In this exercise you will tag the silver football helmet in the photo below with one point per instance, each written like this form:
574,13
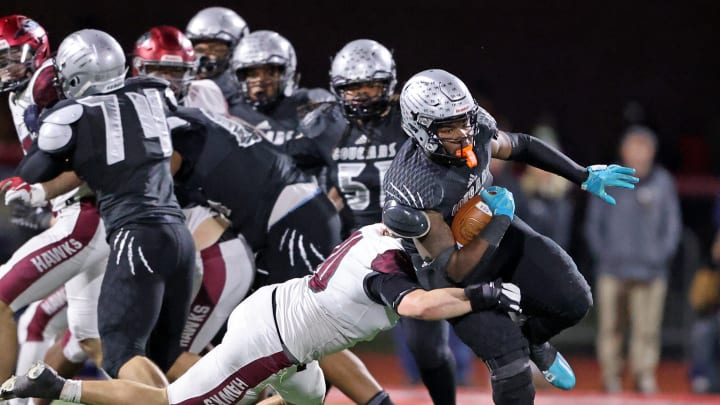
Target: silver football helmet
262,48
90,62
216,24
430,99
362,61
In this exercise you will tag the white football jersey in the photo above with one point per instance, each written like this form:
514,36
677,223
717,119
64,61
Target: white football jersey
330,310
19,102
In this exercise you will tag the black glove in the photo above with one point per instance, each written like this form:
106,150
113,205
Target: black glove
496,295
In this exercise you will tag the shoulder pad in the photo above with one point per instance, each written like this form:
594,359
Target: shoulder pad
412,180
486,120
404,221
325,116
64,114
53,136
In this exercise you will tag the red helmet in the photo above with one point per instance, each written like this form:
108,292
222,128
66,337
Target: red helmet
165,46
23,48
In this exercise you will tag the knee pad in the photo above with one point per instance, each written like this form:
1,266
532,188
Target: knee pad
517,389
511,378
381,398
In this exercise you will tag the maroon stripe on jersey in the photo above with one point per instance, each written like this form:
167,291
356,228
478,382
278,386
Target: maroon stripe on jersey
326,269
41,262
44,312
234,388
393,261
214,276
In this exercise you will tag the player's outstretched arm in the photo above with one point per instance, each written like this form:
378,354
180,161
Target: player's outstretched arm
535,152
121,392
445,303
41,381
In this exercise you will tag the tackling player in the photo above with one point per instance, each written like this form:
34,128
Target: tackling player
277,334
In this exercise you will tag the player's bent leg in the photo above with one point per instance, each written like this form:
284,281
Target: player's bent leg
228,269
428,343
511,378
42,323
65,366
496,339
83,293
300,385
250,353
544,263
8,341
42,265
348,373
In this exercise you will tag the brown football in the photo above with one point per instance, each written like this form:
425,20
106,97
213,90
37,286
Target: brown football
470,219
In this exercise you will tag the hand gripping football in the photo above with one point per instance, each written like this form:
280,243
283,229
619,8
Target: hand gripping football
470,219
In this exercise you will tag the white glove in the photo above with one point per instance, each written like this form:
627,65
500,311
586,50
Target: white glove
16,188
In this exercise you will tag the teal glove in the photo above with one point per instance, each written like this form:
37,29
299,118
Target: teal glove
601,176
499,200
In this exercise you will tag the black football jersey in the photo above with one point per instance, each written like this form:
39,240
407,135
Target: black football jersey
119,143
415,180
230,166
280,122
363,154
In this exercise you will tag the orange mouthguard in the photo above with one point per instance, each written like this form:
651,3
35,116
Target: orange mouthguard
469,155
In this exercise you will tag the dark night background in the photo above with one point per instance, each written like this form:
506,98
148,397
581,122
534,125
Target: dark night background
580,62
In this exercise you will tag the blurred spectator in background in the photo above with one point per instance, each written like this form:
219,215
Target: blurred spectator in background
704,297
632,244
546,206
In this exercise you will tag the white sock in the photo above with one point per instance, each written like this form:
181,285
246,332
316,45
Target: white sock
71,391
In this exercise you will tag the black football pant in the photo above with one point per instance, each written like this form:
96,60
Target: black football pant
298,242
145,295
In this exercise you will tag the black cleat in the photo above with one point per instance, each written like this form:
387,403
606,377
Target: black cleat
41,381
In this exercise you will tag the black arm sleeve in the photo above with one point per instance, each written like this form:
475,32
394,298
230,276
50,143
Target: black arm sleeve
535,152
389,288
40,166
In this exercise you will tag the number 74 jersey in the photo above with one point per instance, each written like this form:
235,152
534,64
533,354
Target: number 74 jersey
119,143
